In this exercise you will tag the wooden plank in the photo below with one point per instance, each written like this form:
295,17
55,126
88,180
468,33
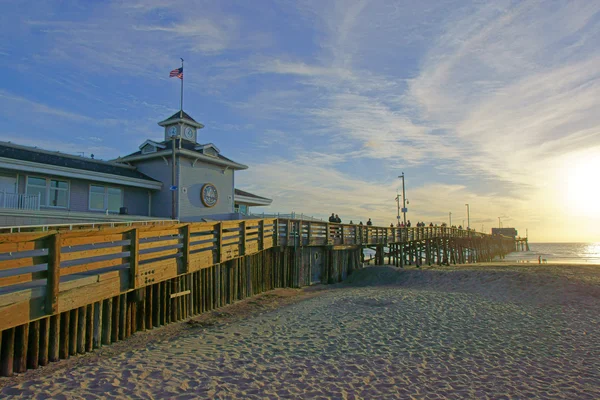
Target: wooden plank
219,241
24,237
22,278
105,251
201,260
157,271
203,227
230,224
225,242
33,347
22,262
185,292
201,246
21,342
158,243
157,254
172,231
95,238
89,267
243,238
134,257
22,246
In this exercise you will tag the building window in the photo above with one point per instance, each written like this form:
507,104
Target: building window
52,192
147,149
241,209
104,198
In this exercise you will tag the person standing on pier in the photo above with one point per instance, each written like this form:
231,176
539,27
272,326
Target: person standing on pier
369,222
338,219
332,218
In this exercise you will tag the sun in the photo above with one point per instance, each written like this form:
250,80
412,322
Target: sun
583,185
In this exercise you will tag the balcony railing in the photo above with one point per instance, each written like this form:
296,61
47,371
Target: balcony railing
17,201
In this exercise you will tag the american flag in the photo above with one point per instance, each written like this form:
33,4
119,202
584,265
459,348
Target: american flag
178,72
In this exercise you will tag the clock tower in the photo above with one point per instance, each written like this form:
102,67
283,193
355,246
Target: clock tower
181,125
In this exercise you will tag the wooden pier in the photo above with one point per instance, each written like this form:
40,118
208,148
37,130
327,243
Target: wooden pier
68,292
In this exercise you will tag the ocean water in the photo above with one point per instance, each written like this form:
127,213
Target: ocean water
566,253
571,253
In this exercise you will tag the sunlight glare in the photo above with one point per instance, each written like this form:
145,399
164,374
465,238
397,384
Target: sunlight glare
582,187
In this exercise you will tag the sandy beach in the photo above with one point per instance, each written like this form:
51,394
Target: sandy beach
482,331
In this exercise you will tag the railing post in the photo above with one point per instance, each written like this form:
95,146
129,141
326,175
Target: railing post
328,237
261,224
308,233
134,257
276,239
185,250
219,242
243,238
53,281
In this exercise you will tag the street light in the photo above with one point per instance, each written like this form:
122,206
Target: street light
398,203
468,217
499,223
403,198
450,216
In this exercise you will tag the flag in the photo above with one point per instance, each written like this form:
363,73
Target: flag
178,72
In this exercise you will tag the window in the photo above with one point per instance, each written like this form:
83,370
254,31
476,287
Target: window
148,149
52,192
104,198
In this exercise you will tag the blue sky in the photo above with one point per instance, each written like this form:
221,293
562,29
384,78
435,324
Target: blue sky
494,104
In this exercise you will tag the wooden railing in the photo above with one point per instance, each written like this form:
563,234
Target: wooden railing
314,233
45,273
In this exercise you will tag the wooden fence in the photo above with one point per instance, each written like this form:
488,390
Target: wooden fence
101,285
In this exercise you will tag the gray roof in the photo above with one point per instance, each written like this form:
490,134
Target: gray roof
248,194
32,154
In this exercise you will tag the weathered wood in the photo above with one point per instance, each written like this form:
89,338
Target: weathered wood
52,287
134,254
116,312
7,352
107,318
44,353
65,323
21,342
73,330
54,351
97,330
89,327
33,347
122,321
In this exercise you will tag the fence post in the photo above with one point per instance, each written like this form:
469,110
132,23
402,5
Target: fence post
185,231
134,257
243,238
308,233
328,233
276,239
53,281
219,242
261,224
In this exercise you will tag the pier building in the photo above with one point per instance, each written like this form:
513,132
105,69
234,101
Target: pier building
176,178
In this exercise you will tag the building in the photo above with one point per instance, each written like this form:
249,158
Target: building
40,187
510,232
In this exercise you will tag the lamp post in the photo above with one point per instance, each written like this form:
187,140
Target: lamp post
468,217
450,216
403,198
398,204
499,223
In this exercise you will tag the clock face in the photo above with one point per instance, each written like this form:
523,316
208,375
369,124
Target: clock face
173,131
209,195
189,133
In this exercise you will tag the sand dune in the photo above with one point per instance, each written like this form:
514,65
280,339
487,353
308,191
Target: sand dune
460,332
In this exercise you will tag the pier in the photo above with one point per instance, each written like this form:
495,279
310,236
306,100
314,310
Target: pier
65,292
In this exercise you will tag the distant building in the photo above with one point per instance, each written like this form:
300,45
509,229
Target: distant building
40,187
511,232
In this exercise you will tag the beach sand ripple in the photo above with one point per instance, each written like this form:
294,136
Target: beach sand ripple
457,333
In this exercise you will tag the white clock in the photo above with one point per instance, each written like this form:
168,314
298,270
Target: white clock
189,133
173,131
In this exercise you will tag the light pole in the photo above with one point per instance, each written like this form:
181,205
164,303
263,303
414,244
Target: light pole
499,223
450,216
398,203
403,199
468,217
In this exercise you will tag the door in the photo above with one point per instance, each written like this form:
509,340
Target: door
316,265
8,188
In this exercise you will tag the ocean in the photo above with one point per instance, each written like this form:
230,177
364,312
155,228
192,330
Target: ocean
566,253
571,253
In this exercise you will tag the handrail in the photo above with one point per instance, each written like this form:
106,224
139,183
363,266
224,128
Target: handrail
144,254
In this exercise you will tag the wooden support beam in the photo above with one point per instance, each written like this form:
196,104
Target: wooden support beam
52,286
7,352
33,347
185,232
45,326
97,335
134,257
54,351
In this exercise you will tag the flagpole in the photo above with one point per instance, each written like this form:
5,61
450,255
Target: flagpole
181,101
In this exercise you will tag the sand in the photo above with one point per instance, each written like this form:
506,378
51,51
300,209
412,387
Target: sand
453,332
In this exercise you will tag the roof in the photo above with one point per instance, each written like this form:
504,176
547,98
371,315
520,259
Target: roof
35,155
176,116
181,116
239,192
185,145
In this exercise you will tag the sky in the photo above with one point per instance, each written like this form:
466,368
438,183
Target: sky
491,104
